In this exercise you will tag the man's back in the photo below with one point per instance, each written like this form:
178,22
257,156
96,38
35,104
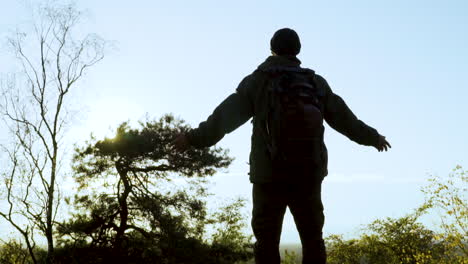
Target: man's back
250,101
273,190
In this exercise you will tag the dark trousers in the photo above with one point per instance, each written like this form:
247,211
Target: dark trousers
269,205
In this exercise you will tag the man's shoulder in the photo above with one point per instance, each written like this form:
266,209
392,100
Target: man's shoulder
319,78
250,78
255,77
321,81
249,84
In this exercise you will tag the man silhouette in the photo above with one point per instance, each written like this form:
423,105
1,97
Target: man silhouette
294,185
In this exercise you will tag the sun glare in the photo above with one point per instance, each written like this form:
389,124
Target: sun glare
104,117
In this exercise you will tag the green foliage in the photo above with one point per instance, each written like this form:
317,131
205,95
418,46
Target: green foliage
290,257
401,240
229,241
141,202
448,197
14,252
405,240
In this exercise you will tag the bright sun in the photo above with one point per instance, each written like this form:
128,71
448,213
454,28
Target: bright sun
104,116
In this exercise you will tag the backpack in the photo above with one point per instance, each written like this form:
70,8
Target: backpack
294,118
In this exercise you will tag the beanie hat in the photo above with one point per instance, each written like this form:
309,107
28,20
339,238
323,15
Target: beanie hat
285,42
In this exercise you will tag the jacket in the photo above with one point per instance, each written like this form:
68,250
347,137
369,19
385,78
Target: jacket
249,101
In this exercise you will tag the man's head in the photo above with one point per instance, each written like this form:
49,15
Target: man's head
285,42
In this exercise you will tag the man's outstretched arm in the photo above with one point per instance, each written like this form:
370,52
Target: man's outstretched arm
341,118
234,111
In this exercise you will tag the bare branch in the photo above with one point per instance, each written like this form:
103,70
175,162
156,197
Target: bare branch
36,117
38,132
9,217
17,45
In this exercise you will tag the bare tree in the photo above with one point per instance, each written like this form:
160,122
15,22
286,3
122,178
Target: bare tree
34,108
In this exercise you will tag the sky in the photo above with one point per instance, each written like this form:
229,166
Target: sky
401,66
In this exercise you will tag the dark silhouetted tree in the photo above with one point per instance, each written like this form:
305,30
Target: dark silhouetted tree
141,201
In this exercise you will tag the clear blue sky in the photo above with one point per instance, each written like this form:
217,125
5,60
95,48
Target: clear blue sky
401,66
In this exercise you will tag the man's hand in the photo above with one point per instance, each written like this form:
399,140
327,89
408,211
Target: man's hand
181,142
383,144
